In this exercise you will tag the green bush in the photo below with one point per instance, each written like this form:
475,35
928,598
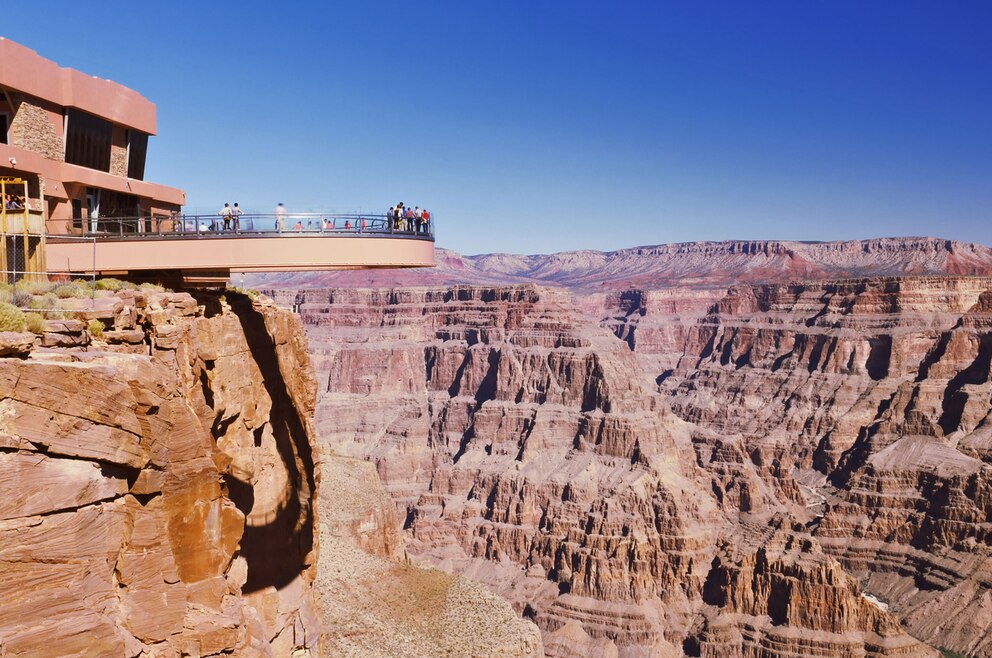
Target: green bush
34,322
96,328
45,302
152,286
11,318
67,290
250,293
34,286
84,284
110,284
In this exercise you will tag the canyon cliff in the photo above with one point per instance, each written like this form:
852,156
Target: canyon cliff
771,470
161,494
150,473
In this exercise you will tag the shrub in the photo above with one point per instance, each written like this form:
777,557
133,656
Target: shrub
96,328
84,284
34,286
11,318
22,299
110,284
34,323
46,302
152,286
250,293
67,290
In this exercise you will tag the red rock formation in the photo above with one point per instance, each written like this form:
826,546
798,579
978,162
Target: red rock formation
863,402
690,264
159,492
533,450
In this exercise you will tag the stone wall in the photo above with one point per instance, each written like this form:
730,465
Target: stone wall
118,152
32,130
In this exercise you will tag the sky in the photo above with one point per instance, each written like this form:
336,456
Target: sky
535,127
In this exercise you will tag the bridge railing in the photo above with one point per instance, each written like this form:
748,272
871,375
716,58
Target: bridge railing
245,225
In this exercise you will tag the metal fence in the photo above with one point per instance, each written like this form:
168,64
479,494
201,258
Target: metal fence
33,290
247,225
42,292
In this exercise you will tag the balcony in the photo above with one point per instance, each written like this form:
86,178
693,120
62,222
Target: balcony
23,221
199,249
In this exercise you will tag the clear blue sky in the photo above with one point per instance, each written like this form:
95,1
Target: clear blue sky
545,126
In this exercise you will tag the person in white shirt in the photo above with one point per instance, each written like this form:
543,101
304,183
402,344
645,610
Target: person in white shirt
280,217
225,214
236,217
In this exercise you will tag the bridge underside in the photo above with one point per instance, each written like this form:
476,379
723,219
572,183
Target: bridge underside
210,259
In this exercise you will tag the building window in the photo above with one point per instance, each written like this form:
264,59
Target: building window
77,213
87,140
137,148
4,127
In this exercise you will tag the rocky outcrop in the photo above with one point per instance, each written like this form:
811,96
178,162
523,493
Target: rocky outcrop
531,449
159,492
860,408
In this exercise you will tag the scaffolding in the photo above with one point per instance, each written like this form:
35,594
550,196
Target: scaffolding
22,230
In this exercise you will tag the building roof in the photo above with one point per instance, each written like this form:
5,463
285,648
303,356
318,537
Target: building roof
24,70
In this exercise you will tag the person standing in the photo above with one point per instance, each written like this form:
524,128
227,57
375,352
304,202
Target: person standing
225,214
418,217
236,217
280,218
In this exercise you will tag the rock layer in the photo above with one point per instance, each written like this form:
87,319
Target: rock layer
859,407
159,492
689,264
532,449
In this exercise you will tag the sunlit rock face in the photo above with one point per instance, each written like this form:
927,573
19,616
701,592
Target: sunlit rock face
696,265
158,485
860,408
621,485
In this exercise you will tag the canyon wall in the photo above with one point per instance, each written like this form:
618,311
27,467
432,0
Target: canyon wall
858,407
689,264
158,483
160,488
656,473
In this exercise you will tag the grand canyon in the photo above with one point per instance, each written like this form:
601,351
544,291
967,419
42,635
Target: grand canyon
759,449
710,449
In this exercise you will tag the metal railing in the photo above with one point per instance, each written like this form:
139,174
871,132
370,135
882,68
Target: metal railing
245,225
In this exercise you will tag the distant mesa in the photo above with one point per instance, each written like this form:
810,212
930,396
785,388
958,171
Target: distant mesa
687,264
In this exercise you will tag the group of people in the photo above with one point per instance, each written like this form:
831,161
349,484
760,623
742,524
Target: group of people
406,219
12,202
231,216
399,218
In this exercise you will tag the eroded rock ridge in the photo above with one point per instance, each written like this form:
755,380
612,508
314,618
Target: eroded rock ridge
158,483
773,470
